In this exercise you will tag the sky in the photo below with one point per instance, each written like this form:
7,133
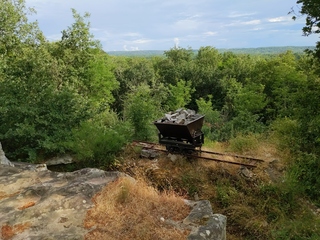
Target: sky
128,25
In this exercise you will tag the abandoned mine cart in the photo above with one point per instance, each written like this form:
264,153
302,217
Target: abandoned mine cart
181,130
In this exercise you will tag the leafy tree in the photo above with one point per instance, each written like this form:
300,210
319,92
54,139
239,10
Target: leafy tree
178,54
281,78
140,109
241,113
82,63
206,77
177,65
238,66
15,28
46,89
179,95
131,72
212,121
311,8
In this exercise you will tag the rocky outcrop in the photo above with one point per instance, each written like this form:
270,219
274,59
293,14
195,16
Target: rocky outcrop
64,159
3,159
205,225
36,203
202,223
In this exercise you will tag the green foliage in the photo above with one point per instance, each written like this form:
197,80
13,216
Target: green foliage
282,81
250,98
226,194
141,110
286,215
304,226
134,72
307,113
310,8
47,89
280,201
15,28
179,95
212,121
304,172
285,133
190,183
177,65
206,76
243,143
178,54
100,80
97,141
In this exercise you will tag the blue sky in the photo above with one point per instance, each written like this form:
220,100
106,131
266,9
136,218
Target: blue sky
163,24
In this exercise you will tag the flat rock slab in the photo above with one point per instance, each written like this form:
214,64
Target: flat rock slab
36,203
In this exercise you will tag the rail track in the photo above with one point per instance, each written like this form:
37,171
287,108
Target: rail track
251,162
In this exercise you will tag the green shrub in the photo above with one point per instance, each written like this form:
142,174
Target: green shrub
97,144
140,109
304,174
303,226
226,193
243,143
285,133
212,121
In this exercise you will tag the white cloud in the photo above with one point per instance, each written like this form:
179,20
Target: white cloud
132,34
130,48
252,22
241,23
184,23
280,19
210,33
237,14
141,41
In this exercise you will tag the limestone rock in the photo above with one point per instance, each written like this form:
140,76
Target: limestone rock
3,159
245,172
207,226
36,203
65,159
172,157
180,116
149,153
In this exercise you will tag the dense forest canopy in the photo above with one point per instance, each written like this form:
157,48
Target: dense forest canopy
70,96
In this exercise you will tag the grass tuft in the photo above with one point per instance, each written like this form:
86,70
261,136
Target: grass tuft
129,209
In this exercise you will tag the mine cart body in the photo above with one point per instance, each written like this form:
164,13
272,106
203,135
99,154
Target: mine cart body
180,136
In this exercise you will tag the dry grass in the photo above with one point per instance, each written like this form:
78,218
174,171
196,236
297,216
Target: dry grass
129,209
244,202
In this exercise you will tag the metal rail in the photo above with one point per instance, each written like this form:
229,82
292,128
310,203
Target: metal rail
151,145
233,155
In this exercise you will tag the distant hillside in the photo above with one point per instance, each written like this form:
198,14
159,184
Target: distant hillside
261,50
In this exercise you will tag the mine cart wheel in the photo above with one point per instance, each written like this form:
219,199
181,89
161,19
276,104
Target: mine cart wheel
173,149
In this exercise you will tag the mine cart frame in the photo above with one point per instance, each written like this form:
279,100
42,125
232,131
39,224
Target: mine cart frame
180,137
